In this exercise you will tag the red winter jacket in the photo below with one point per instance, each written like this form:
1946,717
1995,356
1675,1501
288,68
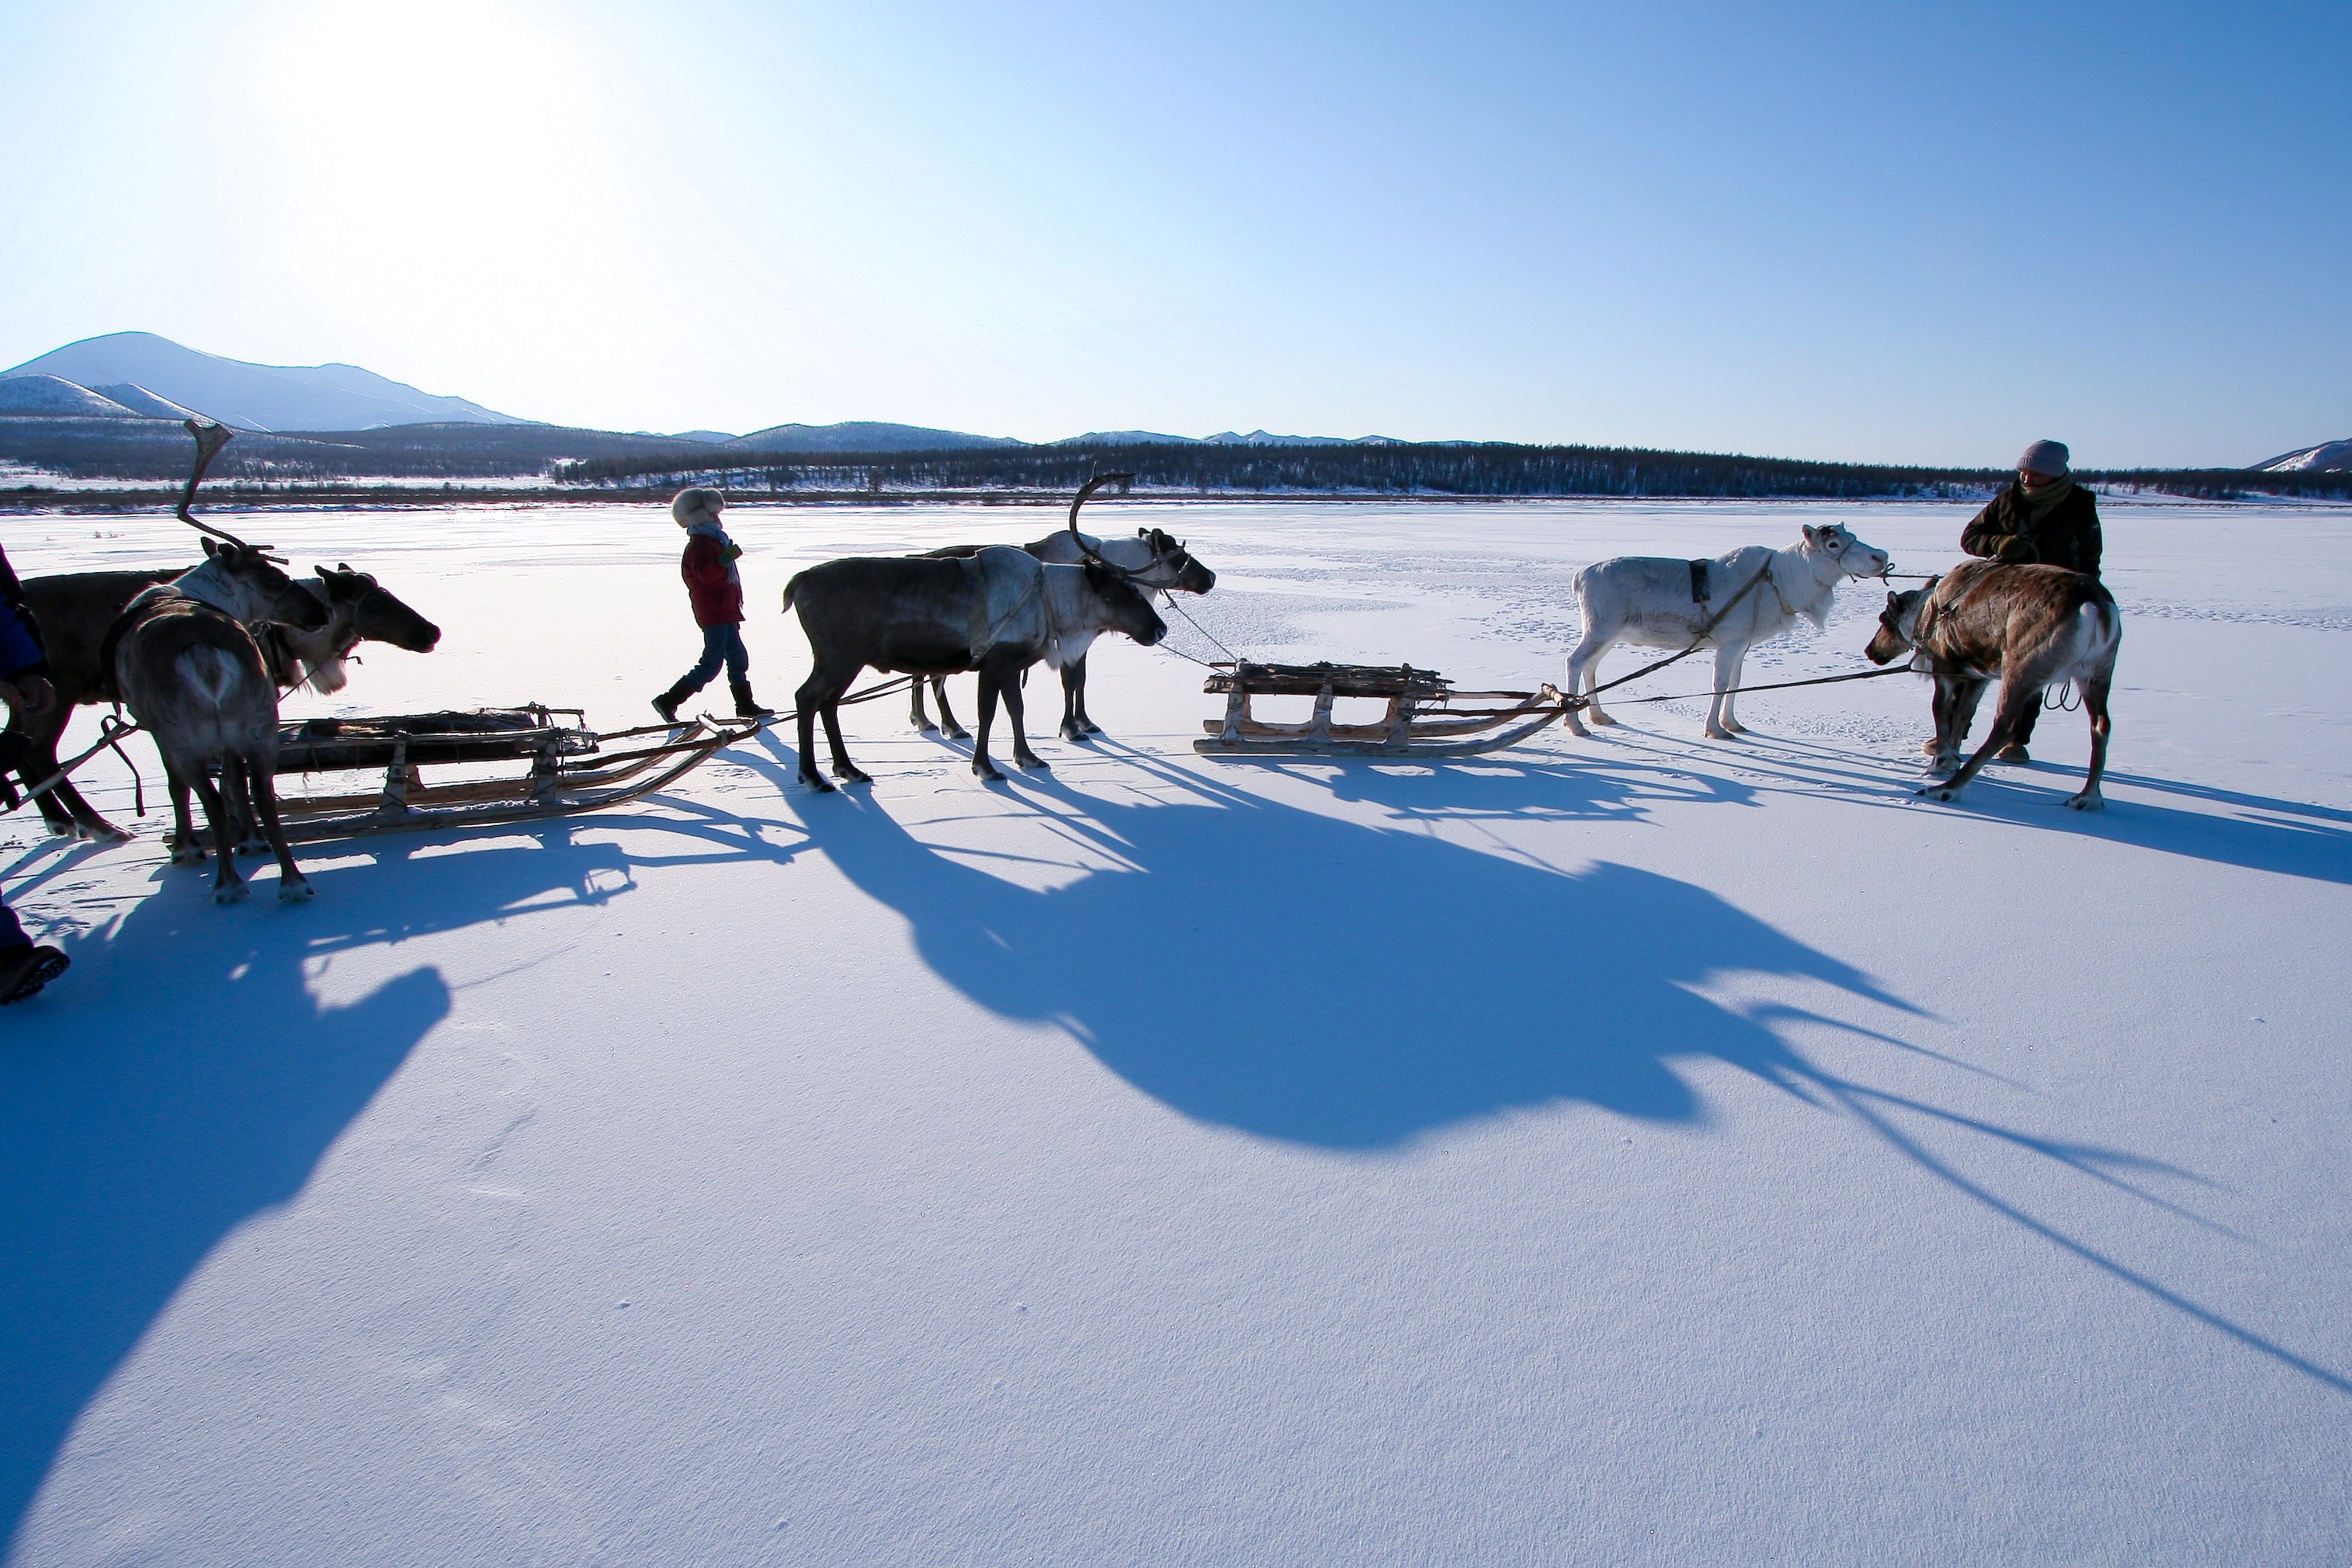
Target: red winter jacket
718,597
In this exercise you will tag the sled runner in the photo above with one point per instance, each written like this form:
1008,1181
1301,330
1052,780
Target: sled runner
567,768
1425,716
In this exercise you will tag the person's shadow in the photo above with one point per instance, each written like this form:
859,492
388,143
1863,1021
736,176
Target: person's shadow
183,1078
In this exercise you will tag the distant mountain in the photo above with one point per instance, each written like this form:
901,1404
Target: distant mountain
1221,438
709,437
52,395
142,402
1128,438
2327,458
863,435
252,396
1261,438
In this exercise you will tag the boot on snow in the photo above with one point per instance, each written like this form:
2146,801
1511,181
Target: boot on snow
746,705
667,703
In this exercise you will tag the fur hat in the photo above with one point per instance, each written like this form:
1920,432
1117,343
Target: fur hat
699,505
2042,457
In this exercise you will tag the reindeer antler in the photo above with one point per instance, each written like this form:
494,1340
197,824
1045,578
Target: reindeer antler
1088,488
211,436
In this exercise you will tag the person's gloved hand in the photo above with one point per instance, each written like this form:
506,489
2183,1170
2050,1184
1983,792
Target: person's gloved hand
734,551
2017,551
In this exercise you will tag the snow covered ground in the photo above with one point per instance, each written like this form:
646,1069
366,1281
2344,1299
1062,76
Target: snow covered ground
1641,1150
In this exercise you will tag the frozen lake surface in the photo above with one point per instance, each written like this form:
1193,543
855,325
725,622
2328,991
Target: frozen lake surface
1634,1151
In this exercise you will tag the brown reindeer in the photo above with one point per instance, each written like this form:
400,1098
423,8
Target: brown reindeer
2028,626
77,609
193,677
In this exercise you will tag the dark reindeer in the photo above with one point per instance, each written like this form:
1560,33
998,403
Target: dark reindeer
1153,560
76,609
193,677
997,611
2028,626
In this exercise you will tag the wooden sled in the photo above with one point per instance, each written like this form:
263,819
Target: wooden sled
1425,717
567,768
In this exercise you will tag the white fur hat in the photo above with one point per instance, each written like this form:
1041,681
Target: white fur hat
698,505
2042,457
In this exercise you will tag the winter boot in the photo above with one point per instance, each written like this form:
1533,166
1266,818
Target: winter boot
746,705
667,703
25,970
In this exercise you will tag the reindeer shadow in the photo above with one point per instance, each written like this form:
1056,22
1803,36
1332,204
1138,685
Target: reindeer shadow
1347,987
183,1079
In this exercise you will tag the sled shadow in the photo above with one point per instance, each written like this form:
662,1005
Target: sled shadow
182,1079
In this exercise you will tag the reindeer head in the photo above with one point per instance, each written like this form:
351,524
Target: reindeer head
243,580
1173,565
1898,625
1834,543
1130,607
373,615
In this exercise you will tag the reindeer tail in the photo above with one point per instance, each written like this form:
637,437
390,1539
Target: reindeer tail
790,588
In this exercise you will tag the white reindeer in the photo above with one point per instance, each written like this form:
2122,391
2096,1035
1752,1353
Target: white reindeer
1656,602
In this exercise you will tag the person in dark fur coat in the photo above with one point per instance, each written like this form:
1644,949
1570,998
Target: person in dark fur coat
24,966
2044,516
716,591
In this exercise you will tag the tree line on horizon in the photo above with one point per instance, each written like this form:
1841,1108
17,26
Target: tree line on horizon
156,451
1495,470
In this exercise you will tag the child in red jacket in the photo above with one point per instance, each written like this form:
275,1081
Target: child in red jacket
716,590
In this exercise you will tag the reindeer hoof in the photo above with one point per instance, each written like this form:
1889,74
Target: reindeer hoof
253,846
190,855
2086,801
1077,735
1031,761
1598,717
296,892
229,893
848,774
925,727
955,732
1937,791
986,772
2012,753
816,783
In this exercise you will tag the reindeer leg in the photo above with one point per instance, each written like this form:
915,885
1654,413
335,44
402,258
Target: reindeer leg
2095,703
1584,670
186,850
981,768
228,886
293,887
821,691
1076,725
1023,756
948,725
915,714
1726,672
238,796
2012,703
1731,690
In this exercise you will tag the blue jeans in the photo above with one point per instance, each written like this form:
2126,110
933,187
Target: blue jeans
719,643
12,933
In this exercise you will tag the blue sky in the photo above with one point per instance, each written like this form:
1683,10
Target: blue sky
1854,232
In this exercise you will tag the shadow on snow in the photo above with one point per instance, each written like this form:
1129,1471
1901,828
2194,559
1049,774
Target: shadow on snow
137,1132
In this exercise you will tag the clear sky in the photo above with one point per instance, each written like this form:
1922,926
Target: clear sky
1892,232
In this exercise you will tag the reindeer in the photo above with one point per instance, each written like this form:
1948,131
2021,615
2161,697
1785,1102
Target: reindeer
1654,601
76,610
997,611
1153,561
2030,627
193,678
